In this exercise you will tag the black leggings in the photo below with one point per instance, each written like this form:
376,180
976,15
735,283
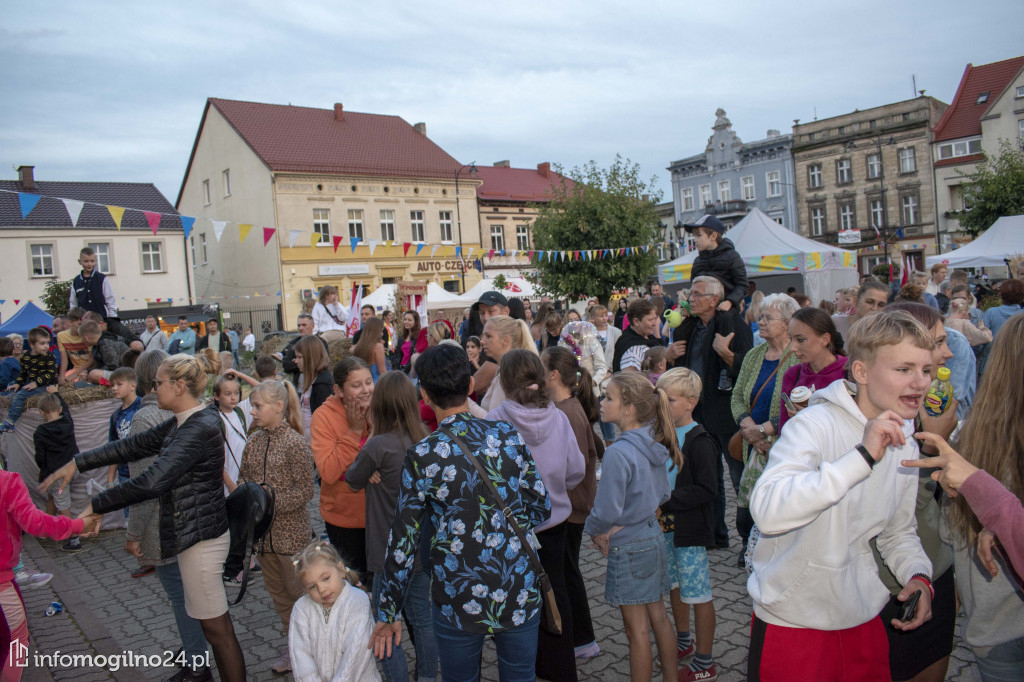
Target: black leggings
351,545
582,626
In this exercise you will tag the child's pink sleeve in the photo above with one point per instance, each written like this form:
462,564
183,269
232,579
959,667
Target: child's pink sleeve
33,521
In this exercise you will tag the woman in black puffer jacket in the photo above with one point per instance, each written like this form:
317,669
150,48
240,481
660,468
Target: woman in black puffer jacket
186,477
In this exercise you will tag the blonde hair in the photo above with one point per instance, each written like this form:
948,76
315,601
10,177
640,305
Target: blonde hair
516,330
650,406
437,332
682,381
885,328
992,437
184,367
754,309
283,392
209,360
322,551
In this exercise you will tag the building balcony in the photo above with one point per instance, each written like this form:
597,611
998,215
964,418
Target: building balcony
731,207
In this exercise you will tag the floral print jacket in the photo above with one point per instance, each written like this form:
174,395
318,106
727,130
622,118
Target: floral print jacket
483,581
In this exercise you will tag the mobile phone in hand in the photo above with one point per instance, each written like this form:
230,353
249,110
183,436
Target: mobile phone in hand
790,407
909,608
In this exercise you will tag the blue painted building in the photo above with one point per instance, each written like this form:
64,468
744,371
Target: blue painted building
731,177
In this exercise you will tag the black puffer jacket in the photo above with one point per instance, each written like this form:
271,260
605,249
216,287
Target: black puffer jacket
725,264
186,477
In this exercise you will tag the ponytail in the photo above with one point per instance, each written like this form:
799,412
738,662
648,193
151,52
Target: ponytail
573,376
284,392
665,429
651,408
516,330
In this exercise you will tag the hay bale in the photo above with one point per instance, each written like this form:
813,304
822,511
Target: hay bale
72,396
339,348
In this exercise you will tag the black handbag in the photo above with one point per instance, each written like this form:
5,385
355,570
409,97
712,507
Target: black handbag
551,619
250,510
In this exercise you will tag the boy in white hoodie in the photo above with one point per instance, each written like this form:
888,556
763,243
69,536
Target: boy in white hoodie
832,483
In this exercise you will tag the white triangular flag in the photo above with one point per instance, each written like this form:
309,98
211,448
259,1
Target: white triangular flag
471,250
292,236
218,228
434,249
74,209
373,245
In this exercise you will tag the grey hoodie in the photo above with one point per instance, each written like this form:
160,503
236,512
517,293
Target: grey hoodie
634,483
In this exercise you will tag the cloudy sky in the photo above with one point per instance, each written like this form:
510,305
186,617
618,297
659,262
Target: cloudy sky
114,90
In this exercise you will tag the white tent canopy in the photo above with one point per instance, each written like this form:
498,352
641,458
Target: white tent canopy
437,297
768,248
1004,240
515,287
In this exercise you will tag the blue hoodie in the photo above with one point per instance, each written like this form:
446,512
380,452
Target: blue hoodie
634,483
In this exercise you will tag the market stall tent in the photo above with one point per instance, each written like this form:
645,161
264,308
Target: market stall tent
28,317
515,287
383,297
1002,241
768,249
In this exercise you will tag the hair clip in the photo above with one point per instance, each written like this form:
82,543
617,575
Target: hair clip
295,562
533,387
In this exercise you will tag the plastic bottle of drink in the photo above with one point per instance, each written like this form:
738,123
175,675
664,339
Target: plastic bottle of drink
937,399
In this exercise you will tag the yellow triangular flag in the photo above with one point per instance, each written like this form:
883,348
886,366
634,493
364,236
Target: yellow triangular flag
314,239
243,231
116,212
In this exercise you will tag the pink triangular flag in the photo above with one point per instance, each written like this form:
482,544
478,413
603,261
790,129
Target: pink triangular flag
268,234
153,218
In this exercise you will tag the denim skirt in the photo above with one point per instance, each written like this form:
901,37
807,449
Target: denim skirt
638,570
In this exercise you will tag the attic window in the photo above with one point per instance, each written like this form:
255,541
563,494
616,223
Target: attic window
982,98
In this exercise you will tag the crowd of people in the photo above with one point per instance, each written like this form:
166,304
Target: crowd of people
461,472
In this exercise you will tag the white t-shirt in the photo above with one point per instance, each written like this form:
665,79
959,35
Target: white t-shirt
249,342
235,438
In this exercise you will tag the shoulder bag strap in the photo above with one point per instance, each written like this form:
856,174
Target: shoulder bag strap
505,509
768,380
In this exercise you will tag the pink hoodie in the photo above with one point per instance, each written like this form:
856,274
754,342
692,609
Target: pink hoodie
17,514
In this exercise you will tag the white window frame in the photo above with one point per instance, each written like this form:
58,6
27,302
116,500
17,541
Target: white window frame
705,195
108,252
226,176
815,176
355,223
908,160
1020,92
497,236
202,248
876,212
523,237
150,252
958,148
45,253
206,192
417,226
847,216
687,197
387,224
747,190
844,171
322,226
818,221
1020,129
192,243
724,190
910,209
444,219
874,166
773,181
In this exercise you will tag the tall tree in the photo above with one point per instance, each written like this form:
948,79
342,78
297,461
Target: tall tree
597,208
996,189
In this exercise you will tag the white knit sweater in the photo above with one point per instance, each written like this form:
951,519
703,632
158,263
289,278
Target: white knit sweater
335,651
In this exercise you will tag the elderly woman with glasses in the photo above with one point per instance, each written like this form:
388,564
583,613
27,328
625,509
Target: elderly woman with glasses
757,398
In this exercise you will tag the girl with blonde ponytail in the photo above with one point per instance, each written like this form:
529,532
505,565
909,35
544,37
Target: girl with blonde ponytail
278,457
623,523
502,334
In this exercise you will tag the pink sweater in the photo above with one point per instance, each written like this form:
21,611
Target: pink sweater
999,511
17,514
803,375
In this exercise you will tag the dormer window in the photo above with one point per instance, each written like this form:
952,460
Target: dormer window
982,98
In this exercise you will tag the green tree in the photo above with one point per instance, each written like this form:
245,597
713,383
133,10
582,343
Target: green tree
56,295
500,282
995,189
597,208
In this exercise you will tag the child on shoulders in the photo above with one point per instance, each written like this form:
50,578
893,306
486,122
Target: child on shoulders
718,258
687,518
330,623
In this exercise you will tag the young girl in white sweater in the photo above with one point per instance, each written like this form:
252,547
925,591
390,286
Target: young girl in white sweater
330,624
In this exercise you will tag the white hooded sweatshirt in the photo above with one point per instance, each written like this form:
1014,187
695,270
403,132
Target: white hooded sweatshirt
817,505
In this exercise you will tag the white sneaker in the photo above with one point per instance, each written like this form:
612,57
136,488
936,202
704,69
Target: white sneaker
28,580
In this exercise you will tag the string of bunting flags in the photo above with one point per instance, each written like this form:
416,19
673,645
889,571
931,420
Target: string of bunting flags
28,201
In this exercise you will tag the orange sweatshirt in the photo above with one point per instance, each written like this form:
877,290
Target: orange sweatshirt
335,447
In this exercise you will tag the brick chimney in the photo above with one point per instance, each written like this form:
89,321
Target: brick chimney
772,132
339,112
544,169
26,178
502,164
421,128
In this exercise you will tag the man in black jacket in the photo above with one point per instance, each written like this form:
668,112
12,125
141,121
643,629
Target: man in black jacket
632,346
287,356
714,344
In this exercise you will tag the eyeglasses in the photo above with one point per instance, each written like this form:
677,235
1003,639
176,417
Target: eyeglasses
767,318
694,294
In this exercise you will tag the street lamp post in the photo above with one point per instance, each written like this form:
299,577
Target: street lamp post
458,217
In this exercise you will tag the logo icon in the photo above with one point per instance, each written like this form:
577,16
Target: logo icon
18,654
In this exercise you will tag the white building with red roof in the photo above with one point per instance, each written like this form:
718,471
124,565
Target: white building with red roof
289,199
989,105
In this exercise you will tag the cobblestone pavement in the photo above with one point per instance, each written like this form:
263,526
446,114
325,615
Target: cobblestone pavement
107,611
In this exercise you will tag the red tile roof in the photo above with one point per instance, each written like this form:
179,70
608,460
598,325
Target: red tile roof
957,160
517,184
303,139
963,117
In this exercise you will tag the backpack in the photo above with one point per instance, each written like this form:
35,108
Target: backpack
174,347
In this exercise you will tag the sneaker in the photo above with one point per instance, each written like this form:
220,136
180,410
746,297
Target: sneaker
188,675
688,652
28,580
254,566
588,650
687,674
73,545
235,580
143,571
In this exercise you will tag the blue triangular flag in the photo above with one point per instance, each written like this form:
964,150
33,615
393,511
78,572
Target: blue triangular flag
28,202
419,247
458,252
186,224
354,241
